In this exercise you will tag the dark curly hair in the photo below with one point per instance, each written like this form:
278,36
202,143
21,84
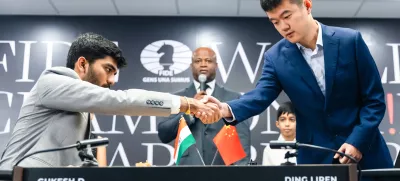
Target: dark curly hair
93,46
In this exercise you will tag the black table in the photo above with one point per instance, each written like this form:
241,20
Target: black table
5,175
382,174
191,173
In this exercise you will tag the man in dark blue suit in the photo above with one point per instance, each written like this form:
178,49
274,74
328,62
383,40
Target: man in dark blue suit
332,80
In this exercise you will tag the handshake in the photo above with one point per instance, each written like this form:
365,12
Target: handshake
207,108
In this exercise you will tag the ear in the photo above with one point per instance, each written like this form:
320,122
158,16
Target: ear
277,124
308,5
82,65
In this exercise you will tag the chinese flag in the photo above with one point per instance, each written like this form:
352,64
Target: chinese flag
228,145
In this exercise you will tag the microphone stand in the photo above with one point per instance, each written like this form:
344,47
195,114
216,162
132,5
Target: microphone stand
287,156
80,145
47,150
88,160
335,151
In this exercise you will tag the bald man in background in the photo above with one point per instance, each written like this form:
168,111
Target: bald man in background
204,62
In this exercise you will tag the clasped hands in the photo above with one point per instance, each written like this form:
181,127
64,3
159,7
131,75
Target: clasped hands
207,108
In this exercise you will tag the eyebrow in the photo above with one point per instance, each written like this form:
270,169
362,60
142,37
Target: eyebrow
203,58
282,14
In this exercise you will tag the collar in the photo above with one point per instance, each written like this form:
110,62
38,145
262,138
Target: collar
319,37
211,84
62,71
280,138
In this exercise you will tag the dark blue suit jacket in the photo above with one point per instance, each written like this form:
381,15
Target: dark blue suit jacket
350,112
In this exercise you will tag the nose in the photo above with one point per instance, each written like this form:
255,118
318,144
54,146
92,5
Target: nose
203,63
284,26
111,80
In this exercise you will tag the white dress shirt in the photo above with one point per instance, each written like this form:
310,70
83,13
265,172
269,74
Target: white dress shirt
209,90
273,157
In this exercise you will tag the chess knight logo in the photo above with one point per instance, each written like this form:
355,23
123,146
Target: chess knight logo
166,57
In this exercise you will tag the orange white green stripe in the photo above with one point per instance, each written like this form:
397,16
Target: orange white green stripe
184,139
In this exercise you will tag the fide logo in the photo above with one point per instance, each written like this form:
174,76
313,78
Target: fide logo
166,57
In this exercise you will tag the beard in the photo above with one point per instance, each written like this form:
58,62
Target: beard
92,77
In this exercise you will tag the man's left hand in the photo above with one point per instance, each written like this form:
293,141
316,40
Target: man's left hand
349,150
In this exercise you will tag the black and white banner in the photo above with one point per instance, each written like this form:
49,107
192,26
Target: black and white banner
158,50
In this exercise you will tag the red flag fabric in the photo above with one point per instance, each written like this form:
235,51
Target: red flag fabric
228,145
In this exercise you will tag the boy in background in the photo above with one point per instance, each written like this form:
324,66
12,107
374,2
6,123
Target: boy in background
286,123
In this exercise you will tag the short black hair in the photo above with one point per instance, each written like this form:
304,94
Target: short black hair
93,46
269,5
285,108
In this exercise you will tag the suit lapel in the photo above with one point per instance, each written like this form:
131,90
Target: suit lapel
296,59
217,92
191,91
331,52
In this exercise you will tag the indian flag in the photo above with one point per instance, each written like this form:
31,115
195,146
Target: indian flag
184,139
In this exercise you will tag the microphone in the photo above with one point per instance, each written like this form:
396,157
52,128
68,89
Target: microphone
283,144
92,142
202,79
79,145
295,145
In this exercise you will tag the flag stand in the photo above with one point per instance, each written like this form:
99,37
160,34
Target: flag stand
184,141
201,158
215,156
